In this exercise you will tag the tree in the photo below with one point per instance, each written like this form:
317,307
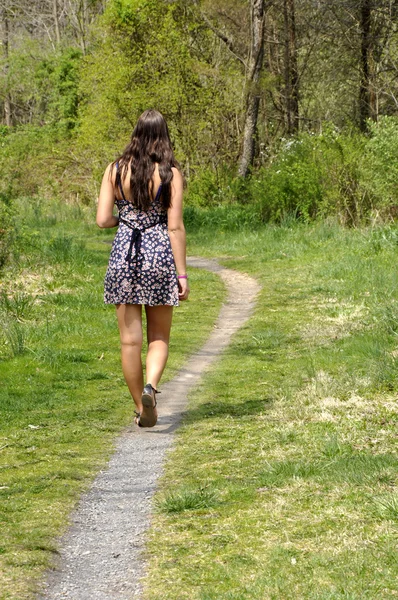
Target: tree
364,35
249,53
151,53
366,50
253,73
5,41
290,68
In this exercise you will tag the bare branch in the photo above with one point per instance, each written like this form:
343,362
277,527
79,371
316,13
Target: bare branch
222,36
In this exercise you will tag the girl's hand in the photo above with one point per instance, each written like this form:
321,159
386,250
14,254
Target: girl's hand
183,289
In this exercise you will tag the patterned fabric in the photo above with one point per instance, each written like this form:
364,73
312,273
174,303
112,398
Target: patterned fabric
141,266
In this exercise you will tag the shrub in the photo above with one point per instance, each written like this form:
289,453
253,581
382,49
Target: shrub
6,226
231,217
380,166
217,187
313,176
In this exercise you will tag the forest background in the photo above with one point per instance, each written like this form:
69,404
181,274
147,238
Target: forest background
276,107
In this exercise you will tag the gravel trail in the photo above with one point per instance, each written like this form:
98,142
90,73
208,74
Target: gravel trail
100,555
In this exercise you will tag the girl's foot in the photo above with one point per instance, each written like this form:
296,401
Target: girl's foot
149,415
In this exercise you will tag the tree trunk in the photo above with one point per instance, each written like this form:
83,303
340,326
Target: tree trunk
255,64
56,22
366,49
84,20
5,31
290,68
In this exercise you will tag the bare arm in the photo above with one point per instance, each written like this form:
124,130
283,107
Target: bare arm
106,201
177,232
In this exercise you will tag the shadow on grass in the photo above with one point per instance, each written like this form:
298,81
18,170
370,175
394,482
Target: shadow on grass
248,407
214,410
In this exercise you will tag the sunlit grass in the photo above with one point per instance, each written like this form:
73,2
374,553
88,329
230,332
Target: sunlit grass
63,399
294,429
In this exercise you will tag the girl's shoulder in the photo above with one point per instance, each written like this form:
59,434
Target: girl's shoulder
178,179
110,171
177,175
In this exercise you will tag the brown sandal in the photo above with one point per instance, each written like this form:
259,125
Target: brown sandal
137,418
148,399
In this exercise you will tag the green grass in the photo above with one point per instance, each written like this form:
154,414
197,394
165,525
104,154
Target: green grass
293,431
63,399
186,499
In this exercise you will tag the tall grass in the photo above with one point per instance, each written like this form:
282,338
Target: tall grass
19,304
14,333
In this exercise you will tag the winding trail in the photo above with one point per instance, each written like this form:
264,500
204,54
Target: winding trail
101,553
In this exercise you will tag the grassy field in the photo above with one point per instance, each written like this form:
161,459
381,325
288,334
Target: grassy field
284,479
62,395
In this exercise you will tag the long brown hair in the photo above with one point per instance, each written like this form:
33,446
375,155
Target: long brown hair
150,143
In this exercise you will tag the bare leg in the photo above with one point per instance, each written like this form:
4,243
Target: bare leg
158,333
129,318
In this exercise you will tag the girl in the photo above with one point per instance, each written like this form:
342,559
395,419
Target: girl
147,265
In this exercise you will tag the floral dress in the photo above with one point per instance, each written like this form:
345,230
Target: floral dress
141,267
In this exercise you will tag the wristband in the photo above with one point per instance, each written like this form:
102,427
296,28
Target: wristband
182,276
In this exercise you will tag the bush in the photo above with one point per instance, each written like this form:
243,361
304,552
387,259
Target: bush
232,217
380,166
217,187
314,176
5,245
6,227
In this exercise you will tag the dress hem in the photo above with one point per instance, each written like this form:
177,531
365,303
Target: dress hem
143,303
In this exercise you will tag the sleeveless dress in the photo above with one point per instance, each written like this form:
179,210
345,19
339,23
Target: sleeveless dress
141,267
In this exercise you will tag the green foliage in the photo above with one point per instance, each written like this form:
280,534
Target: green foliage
292,184
380,174
314,176
231,217
345,174
388,507
150,53
155,54
57,78
218,186
6,205
64,248
29,239
23,155
45,80
36,162
6,228
14,309
309,177
36,157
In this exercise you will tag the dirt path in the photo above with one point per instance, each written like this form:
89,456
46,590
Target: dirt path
100,556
